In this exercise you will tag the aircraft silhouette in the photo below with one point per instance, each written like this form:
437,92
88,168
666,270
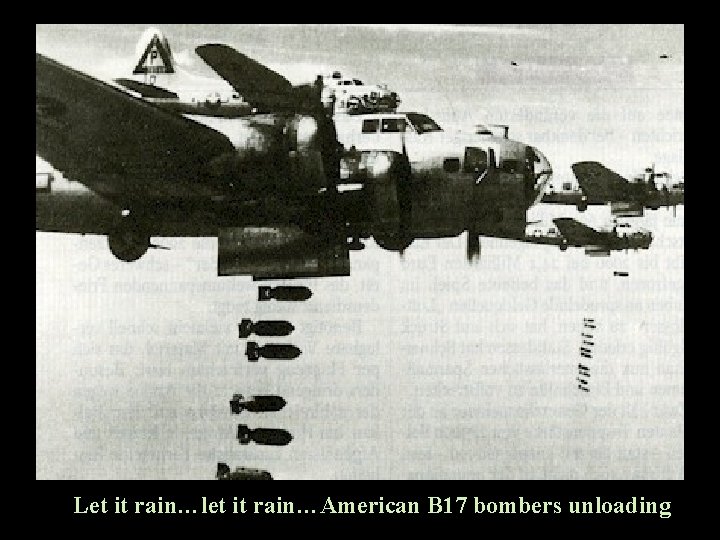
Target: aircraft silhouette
600,185
267,185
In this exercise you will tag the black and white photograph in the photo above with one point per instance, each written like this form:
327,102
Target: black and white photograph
359,251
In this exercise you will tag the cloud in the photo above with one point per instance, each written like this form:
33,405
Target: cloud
186,58
457,29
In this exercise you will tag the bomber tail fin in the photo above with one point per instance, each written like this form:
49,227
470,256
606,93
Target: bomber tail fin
154,57
600,183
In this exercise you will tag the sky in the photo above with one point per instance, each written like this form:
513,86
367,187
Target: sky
416,367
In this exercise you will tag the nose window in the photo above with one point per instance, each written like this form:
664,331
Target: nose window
475,160
370,126
513,166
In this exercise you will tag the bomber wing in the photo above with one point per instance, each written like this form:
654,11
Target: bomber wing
576,233
257,84
117,145
600,183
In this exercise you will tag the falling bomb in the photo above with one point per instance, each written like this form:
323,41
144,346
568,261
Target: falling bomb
256,404
284,294
272,437
241,473
264,328
271,351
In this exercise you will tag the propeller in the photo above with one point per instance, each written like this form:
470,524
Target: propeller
477,210
403,187
393,228
473,247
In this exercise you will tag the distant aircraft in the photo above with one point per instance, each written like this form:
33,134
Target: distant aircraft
597,242
567,232
600,185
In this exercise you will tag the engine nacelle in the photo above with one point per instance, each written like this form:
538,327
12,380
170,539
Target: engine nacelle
278,154
305,152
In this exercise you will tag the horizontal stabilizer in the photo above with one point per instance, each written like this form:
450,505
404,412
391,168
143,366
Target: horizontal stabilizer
256,83
147,90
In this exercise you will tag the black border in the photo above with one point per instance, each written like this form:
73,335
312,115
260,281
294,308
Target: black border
54,502
61,503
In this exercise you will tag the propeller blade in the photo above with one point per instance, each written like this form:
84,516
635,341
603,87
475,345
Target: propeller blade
472,251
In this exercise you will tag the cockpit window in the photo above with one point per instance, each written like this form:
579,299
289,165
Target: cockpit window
423,123
513,166
370,126
347,83
358,82
393,125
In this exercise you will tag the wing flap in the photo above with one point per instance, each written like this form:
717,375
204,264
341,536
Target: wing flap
116,144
